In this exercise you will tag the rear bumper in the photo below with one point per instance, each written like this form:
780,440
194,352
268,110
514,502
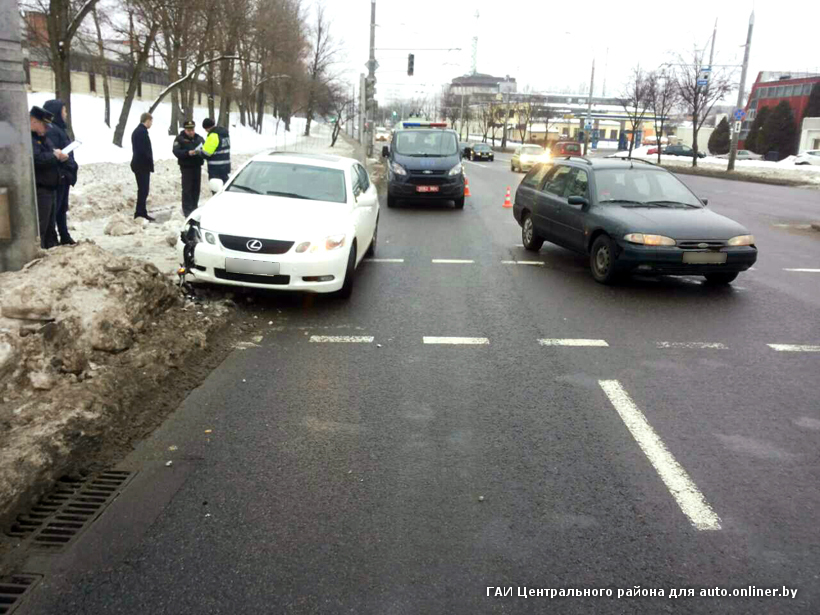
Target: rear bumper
669,261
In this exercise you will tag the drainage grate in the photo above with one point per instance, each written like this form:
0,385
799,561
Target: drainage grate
69,509
13,589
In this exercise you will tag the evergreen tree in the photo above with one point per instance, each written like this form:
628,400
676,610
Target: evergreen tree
779,131
719,142
751,141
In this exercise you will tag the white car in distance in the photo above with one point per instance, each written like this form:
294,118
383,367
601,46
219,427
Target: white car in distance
292,222
811,156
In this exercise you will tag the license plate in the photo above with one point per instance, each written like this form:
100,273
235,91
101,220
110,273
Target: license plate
426,188
244,265
704,258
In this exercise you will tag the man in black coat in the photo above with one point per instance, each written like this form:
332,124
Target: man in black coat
47,159
142,164
68,172
186,149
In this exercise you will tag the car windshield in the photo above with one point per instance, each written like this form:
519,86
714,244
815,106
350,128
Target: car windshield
426,143
645,187
481,147
299,181
532,150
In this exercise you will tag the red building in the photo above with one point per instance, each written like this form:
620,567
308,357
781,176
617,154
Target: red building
772,87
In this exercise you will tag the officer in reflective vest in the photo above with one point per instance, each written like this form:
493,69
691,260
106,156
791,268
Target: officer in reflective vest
217,150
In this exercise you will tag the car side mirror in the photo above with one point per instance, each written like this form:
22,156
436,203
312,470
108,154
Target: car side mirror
578,200
705,202
216,185
385,151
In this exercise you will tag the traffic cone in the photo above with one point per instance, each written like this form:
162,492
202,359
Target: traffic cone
467,187
507,202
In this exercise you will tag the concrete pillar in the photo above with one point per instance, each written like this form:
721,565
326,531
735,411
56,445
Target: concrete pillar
16,165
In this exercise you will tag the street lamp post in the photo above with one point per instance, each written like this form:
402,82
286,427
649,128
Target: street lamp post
741,91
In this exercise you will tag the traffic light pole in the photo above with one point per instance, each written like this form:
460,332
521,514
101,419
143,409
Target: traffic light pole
741,92
371,74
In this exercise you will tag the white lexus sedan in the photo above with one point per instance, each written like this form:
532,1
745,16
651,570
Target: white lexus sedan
283,221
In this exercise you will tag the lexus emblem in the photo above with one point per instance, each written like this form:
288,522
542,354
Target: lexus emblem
254,245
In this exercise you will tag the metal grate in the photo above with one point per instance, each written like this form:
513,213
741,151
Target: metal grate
13,589
69,509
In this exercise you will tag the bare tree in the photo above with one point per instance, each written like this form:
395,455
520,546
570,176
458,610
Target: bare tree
543,113
663,98
526,115
635,101
324,52
343,106
102,67
697,99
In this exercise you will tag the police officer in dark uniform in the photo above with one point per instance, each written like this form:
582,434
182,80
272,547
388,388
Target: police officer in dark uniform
186,149
217,149
47,161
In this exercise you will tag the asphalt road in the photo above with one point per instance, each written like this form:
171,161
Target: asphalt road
674,449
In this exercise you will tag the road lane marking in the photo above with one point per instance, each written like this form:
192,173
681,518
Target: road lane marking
803,270
384,260
475,163
475,341
452,261
794,348
680,485
573,342
535,263
703,345
348,339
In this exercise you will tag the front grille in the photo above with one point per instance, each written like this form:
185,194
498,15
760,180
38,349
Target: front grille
432,172
695,244
250,278
427,180
269,246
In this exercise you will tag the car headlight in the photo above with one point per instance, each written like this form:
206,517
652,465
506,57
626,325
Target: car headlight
742,240
334,242
456,170
209,237
649,240
397,168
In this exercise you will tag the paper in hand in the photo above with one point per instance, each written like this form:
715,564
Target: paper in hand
71,147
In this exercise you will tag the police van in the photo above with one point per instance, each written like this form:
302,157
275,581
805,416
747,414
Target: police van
424,163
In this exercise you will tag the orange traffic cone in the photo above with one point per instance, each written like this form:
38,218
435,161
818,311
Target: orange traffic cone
467,187
507,202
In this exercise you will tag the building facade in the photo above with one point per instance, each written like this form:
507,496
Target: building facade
771,87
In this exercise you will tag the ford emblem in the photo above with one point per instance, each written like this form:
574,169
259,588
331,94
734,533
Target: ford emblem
254,245
703,245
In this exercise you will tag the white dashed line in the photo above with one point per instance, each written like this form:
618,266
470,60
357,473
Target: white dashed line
793,348
349,339
682,488
533,263
475,341
573,342
803,270
384,260
452,261
703,345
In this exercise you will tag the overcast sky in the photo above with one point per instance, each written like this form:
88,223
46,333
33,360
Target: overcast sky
550,46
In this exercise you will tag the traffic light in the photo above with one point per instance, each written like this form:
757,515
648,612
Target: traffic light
411,59
370,91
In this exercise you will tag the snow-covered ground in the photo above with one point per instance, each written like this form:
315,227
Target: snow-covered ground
784,169
101,205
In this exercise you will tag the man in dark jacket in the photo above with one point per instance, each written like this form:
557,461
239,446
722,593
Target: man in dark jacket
217,150
186,149
142,164
68,172
46,170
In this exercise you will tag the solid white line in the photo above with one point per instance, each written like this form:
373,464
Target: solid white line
452,261
793,348
536,263
475,163
356,339
384,260
682,488
704,345
457,340
804,270
573,342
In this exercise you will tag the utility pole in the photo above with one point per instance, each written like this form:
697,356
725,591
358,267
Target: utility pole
462,118
506,120
371,74
588,123
18,211
362,107
741,92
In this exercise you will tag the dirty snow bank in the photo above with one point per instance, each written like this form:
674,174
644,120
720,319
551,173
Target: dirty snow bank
74,326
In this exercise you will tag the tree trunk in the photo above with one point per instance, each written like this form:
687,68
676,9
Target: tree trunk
57,23
631,142
309,114
132,84
335,134
211,92
695,140
103,68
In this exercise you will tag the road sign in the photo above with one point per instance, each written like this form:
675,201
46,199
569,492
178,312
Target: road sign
703,76
737,126
740,115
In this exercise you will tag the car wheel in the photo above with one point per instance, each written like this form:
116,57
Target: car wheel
371,250
347,285
459,203
602,260
391,200
531,240
720,278
492,158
